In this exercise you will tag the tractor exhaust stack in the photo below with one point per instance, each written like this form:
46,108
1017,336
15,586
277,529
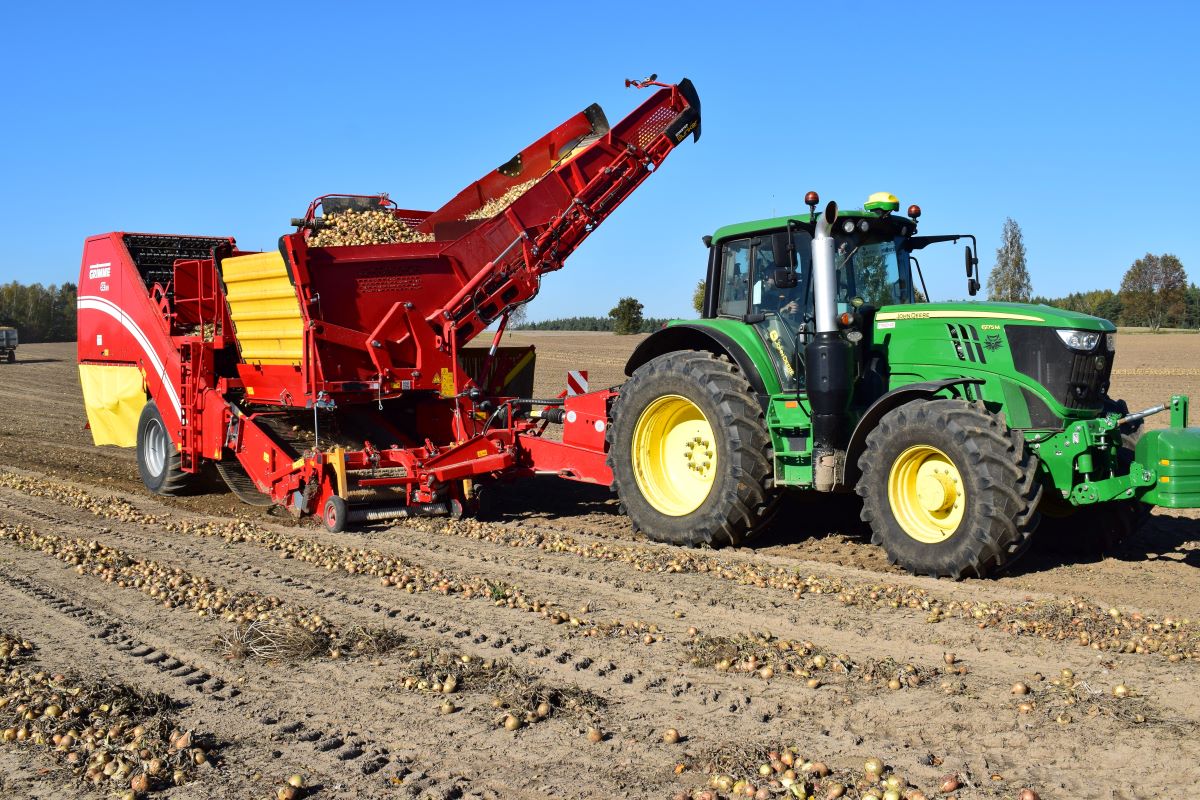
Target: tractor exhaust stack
829,360
824,271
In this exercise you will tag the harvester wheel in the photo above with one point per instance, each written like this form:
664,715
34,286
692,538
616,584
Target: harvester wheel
689,451
334,514
948,490
159,463
12,356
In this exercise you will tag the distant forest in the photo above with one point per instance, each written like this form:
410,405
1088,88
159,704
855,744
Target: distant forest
39,313
1177,308
649,324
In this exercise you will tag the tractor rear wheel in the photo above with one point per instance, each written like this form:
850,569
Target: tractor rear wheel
689,451
948,490
159,463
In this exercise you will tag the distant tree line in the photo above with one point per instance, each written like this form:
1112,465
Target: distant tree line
609,324
1155,293
39,313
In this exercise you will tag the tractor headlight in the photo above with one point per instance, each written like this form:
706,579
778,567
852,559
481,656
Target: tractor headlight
1111,341
1084,341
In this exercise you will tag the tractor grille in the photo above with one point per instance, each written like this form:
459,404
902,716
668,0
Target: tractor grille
1076,380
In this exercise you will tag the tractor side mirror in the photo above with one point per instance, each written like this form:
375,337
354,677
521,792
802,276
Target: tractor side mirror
781,246
972,263
785,278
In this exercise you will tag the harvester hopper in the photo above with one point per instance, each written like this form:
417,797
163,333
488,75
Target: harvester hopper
335,378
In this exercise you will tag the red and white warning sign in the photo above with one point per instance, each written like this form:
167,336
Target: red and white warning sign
577,382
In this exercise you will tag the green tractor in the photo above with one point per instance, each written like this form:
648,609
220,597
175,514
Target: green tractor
819,366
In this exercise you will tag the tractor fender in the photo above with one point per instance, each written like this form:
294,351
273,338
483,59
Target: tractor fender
696,337
893,399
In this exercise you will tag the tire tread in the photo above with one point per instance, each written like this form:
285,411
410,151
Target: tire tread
747,498
1005,516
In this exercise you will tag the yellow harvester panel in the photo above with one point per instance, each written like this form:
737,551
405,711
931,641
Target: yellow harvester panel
265,311
113,395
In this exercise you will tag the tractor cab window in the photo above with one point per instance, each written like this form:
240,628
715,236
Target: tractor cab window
877,271
735,278
767,297
778,307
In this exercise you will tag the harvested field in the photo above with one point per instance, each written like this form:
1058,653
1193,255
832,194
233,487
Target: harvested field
548,651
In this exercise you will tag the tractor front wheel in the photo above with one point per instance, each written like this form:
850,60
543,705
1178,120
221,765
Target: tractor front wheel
948,490
159,462
689,451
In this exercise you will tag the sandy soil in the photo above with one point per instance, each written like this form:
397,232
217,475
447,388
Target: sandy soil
573,608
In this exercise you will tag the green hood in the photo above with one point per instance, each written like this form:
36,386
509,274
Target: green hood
1001,312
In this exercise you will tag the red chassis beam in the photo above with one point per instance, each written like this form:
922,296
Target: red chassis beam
582,453
304,484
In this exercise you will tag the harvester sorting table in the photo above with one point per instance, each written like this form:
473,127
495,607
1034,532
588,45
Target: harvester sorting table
337,380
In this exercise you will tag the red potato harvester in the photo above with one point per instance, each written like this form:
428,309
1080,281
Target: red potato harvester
337,380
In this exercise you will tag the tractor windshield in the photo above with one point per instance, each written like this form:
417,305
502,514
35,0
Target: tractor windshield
877,271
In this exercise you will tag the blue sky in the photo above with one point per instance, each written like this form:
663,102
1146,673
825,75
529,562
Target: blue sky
1079,120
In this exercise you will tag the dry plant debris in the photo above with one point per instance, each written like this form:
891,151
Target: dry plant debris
105,733
764,772
172,587
363,227
497,204
518,698
1066,699
1076,620
13,650
768,657
266,626
390,570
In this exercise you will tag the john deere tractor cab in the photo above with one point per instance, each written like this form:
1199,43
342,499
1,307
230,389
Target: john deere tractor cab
820,366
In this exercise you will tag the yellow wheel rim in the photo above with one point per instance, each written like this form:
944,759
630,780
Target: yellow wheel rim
674,455
927,494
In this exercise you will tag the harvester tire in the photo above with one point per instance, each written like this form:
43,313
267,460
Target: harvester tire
689,451
334,514
159,463
12,356
965,486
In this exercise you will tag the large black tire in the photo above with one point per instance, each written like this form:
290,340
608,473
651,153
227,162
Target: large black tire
12,356
739,497
159,463
1000,493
